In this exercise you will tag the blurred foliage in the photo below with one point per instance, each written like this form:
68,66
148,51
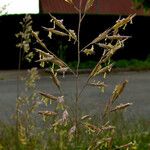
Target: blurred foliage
140,4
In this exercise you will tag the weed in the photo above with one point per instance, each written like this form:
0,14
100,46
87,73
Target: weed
66,127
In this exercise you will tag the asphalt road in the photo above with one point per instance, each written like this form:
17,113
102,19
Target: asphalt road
92,100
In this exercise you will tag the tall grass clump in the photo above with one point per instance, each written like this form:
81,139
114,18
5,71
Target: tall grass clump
64,127
70,129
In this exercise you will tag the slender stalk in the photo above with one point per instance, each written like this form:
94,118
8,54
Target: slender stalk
17,96
79,26
77,72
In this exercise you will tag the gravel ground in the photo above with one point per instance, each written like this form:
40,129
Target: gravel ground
92,100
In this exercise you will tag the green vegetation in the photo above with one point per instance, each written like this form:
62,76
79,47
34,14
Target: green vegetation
126,131
142,4
133,64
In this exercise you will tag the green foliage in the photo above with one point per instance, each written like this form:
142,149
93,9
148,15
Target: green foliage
124,64
133,64
137,131
145,4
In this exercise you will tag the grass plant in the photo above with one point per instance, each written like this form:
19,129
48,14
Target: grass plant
61,126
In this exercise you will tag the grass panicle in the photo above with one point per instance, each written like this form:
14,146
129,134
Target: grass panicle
64,127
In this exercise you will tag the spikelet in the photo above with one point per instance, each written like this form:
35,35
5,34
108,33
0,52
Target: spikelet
63,70
58,62
65,116
53,31
118,90
89,51
54,78
57,22
95,145
69,1
118,37
22,134
89,4
98,84
72,35
58,122
105,69
95,71
44,54
121,106
122,22
92,128
101,36
51,97
99,70
85,117
106,128
47,113
44,57
110,52
60,104
35,34
105,46
71,132
126,146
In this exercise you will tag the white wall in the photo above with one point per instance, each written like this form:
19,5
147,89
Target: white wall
20,6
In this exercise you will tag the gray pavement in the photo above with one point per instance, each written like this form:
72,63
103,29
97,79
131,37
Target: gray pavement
92,100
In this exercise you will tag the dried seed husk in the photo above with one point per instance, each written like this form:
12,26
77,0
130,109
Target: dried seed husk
125,145
117,37
89,51
72,35
71,132
64,69
121,106
105,46
118,90
55,79
47,113
95,145
69,1
95,71
45,59
58,22
55,31
98,84
89,4
58,62
43,53
101,36
105,69
106,128
22,134
108,54
49,96
92,128
38,39
122,22
58,122
85,117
